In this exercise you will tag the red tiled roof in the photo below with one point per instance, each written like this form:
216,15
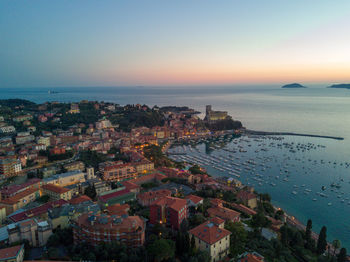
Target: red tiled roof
217,221
245,195
118,209
172,202
79,199
130,185
252,258
37,210
209,233
10,252
223,212
106,197
243,209
14,199
55,189
195,199
128,224
153,194
10,190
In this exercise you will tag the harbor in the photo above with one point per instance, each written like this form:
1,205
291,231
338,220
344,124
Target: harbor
298,172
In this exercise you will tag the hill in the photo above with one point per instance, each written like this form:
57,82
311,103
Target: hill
294,85
346,86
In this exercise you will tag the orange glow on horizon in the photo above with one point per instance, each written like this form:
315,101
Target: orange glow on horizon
244,75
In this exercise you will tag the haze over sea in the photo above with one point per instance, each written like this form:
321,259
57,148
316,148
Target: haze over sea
316,110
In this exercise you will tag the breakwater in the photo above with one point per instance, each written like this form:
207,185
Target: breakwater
266,133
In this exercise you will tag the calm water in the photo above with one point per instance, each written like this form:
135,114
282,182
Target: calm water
294,178
319,111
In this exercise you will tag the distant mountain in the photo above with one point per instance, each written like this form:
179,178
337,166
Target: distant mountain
294,85
347,86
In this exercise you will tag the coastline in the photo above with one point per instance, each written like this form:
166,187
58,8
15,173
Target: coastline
275,133
291,219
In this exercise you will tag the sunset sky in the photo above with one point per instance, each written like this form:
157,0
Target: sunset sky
173,42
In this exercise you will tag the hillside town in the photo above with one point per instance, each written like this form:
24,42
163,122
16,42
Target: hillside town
93,181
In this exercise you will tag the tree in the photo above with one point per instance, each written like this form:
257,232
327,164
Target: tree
322,241
279,214
187,243
336,245
195,169
342,256
308,232
238,237
161,249
53,253
90,191
179,243
259,221
184,225
284,235
193,244
297,239
196,219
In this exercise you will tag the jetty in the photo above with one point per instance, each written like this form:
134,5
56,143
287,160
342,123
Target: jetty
267,133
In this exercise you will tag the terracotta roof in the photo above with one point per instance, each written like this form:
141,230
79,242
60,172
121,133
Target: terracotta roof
252,257
14,199
113,222
118,209
154,194
79,199
10,190
209,232
130,185
171,202
223,212
55,189
245,195
10,252
37,210
217,221
216,202
195,199
243,209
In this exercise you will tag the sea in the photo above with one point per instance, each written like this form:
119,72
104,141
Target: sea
297,171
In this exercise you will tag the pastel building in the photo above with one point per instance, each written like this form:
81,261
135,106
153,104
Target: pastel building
20,200
9,166
147,198
36,232
218,210
12,254
66,179
212,237
170,211
95,229
57,192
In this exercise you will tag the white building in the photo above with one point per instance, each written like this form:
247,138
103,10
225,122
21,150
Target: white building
7,129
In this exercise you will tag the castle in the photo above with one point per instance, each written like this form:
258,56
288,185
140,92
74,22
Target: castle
212,116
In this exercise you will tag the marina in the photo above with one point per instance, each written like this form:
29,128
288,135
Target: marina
297,172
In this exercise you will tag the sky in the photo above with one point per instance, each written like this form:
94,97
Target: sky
166,42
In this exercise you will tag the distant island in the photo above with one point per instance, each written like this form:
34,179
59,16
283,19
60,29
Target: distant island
347,86
294,85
